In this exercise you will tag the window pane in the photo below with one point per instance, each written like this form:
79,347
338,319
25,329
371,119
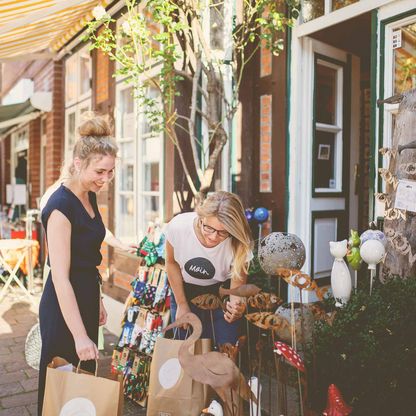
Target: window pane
126,216
339,4
311,9
324,167
71,79
405,59
146,127
151,148
127,102
216,18
326,89
151,208
85,72
127,177
151,177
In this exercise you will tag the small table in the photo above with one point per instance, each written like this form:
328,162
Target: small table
21,249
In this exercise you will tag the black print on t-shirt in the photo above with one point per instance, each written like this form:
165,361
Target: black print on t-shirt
200,268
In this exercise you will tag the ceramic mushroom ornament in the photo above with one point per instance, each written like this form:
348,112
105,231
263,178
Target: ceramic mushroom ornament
291,356
340,275
336,405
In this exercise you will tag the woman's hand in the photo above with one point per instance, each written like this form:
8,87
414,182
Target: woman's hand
182,309
103,314
235,308
85,348
130,248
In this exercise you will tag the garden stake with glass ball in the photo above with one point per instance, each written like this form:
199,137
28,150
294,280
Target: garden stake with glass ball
261,215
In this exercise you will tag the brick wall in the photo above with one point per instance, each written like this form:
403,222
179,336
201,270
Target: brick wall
34,162
265,165
102,78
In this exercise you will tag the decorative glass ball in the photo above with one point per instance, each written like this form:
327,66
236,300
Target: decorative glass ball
373,235
261,214
372,252
281,250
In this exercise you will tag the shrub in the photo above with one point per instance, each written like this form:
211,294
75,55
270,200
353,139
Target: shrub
370,351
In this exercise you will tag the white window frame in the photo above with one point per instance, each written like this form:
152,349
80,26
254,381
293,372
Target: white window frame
78,109
120,87
331,18
142,194
336,128
78,96
390,109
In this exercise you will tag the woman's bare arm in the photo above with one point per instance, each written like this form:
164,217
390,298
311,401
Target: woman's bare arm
59,246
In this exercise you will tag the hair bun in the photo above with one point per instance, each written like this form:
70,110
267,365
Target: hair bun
95,125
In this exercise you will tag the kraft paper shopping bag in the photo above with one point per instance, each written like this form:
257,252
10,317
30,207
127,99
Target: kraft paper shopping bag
171,391
69,393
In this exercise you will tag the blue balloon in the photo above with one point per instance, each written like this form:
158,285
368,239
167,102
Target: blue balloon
261,214
249,214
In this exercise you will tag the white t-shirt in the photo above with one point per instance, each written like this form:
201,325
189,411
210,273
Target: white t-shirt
199,265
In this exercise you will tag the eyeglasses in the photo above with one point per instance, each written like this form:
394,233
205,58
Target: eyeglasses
211,230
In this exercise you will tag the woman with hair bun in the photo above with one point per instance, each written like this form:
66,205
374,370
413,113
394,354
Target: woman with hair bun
203,250
71,310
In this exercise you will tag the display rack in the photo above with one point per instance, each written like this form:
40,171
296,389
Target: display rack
146,314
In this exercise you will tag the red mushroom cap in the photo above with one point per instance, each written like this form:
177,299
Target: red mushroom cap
336,405
292,357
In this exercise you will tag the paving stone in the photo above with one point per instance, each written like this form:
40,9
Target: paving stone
8,389
30,384
4,350
22,399
11,377
15,411
31,372
15,366
14,356
32,409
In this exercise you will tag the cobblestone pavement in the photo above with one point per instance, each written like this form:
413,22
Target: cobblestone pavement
18,381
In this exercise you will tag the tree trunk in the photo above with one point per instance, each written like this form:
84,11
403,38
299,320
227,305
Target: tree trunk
399,225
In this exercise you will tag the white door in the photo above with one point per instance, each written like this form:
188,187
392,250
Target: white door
335,152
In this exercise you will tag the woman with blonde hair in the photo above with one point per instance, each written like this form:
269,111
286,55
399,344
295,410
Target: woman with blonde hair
203,250
71,310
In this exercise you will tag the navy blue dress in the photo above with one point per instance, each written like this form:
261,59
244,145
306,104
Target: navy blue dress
87,235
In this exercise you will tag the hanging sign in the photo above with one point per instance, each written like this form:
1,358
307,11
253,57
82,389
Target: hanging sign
406,196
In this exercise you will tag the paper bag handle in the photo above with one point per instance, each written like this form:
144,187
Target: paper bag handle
79,367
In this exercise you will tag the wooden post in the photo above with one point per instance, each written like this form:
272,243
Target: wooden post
400,225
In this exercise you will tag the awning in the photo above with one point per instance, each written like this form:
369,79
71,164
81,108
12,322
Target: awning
29,28
13,114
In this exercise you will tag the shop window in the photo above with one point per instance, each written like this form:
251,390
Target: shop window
125,182
404,60
311,9
339,4
78,76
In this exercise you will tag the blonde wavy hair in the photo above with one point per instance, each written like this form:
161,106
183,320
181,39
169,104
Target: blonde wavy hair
229,210
95,139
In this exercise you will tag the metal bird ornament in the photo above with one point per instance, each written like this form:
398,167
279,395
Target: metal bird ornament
212,368
243,291
300,280
207,301
264,301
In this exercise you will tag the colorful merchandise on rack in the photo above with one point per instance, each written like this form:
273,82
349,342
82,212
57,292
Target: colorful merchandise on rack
146,314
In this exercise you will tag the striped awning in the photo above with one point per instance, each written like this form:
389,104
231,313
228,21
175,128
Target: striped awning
29,27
